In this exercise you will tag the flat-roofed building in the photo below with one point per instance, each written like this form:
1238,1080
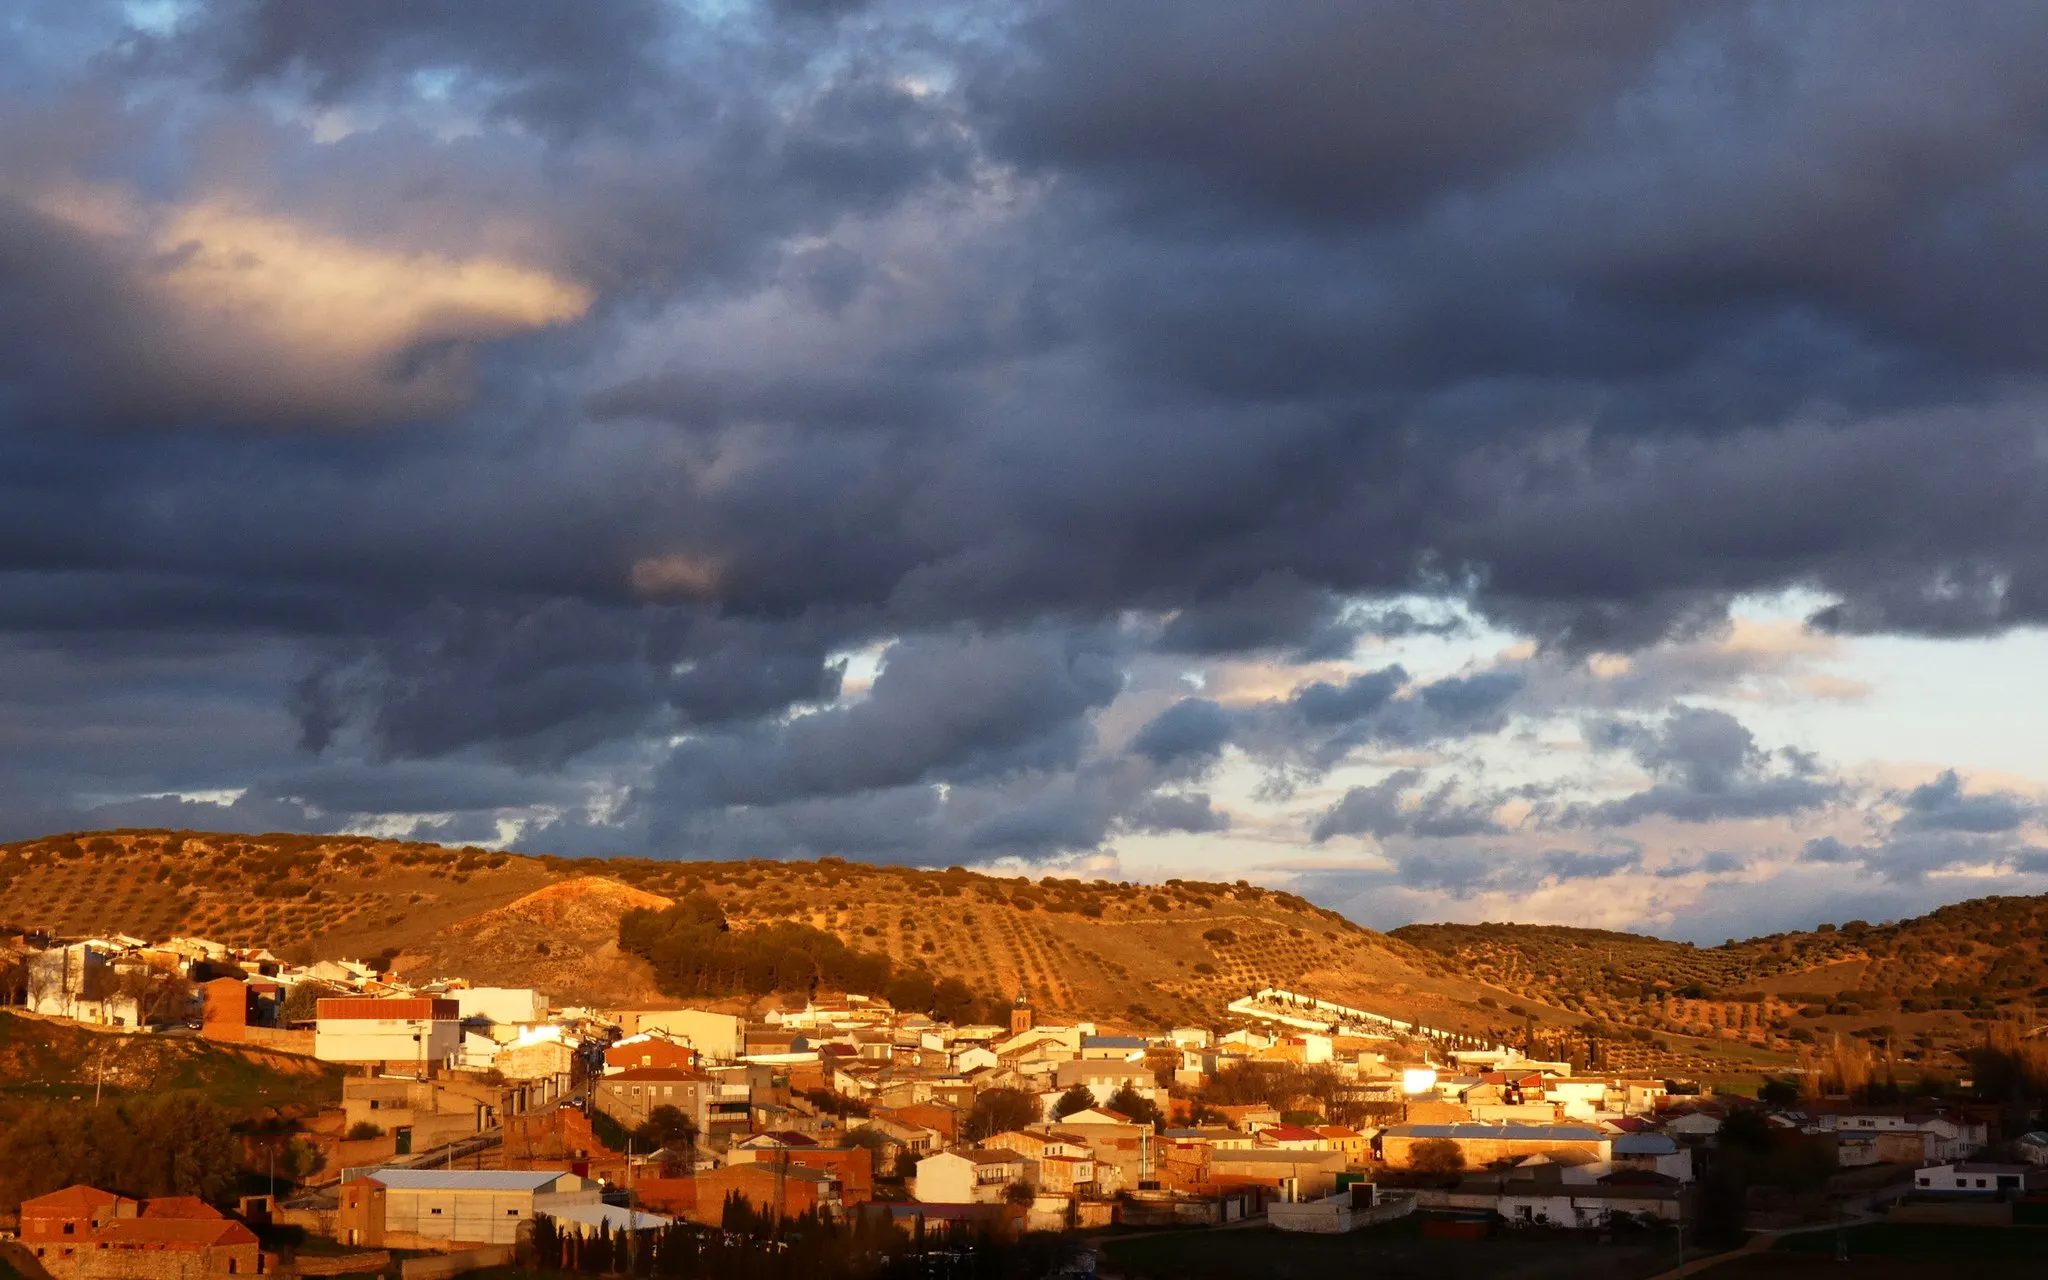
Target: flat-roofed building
422,1032
400,1208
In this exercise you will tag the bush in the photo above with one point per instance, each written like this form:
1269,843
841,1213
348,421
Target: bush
1437,1156
1221,937
363,1131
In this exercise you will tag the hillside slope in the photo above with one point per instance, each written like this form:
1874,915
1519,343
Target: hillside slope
1921,983
1119,953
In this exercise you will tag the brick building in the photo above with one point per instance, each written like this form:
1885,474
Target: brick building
83,1233
779,1188
1485,1144
649,1050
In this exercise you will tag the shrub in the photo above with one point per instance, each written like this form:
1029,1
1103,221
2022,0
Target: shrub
1438,1156
363,1131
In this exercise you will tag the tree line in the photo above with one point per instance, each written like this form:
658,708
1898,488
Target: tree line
695,951
753,1245
167,1145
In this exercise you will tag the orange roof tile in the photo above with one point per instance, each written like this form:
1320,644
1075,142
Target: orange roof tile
180,1207
77,1200
173,1233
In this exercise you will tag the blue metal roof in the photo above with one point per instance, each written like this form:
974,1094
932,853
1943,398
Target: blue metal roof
1645,1144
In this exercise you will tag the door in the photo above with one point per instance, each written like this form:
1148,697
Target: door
404,1140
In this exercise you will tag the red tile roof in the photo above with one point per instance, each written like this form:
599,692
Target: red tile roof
77,1200
653,1073
172,1233
1289,1133
181,1207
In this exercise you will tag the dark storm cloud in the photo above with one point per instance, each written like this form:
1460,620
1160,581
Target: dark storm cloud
519,56
1321,703
944,708
1334,111
907,325
1194,812
1277,612
1709,769
1192,727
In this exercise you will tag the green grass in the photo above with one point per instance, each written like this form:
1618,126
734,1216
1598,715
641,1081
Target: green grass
1915,1239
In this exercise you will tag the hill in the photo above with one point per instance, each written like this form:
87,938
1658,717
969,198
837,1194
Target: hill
1122,954
1915,987
47,1059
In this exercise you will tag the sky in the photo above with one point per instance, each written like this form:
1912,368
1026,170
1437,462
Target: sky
1579,463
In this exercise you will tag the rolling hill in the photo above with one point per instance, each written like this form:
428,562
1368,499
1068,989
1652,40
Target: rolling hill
1122,954
1916,986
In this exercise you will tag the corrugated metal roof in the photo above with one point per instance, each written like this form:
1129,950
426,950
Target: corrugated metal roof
389,1007
609,1215
1645,1144
1500,1132
465,1179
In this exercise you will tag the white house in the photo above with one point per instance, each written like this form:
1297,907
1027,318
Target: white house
1968,1178
718,1037
1652,1153
974,1058
501,1004
1103,1079
968,1176
398,1030
1944,1138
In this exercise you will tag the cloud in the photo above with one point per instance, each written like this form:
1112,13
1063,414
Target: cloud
1381,810
1192,727
1710,769
1940,805
229,309
1192,813
689,359
952,707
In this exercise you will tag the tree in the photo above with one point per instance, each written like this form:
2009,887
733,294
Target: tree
666,1127
1128,1101
1078,1098
159,995
172,1144
302,1002
999,1111
1440,1157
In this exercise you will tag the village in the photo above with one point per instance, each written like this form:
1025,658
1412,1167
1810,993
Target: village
471,1118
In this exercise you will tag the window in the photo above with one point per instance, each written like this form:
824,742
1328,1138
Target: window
70,1228
435,1212
1980,1182
511,1213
